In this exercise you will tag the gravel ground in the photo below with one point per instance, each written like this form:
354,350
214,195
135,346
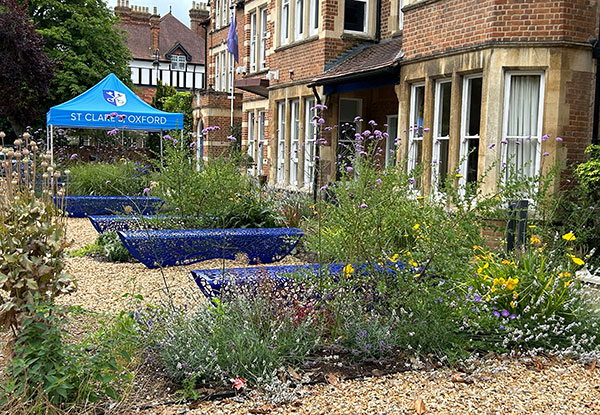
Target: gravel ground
497,386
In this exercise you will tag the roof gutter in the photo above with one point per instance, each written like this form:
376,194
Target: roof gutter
388,70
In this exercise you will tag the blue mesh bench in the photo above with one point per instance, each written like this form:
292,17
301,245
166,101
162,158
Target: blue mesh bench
114,223
156,248
213,282
83,206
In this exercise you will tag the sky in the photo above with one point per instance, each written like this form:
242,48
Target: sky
180,8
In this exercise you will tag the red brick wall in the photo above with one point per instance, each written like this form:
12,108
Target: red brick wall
579,97
445,25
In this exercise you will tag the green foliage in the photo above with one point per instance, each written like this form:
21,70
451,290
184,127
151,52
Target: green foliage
244,336
181,102
82,35
109,179
219,195
588,173
112,247
47,374
31,256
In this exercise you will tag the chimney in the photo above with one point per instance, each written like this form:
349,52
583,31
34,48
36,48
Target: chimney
198,13
155,29
123,11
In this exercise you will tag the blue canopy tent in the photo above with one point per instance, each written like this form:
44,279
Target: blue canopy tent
106,106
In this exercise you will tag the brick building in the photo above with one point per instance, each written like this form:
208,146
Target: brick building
163,48
463,84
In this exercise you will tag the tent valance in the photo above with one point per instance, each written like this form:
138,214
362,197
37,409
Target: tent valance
108,105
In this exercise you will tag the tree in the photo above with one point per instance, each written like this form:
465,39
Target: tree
82,36
26,69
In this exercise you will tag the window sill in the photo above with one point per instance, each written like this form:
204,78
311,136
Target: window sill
350,34
297,43
257,73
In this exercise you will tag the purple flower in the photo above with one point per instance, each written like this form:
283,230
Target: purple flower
192,144
491,146
363,206
426,129
108,182
321,121
167,137
324,187
113,114
545,154
73,156
174,141
412,180
559,139
232,138
497,314
512,316
505,313
122,117
504,141
146,190
378,181
349,169
440,300
518,143
477,299
545,137
113,132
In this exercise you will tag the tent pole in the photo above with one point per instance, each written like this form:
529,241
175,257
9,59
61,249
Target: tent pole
160,138
182,138
51,144
198,145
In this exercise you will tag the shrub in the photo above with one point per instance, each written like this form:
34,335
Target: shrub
239,337
112,247
109,179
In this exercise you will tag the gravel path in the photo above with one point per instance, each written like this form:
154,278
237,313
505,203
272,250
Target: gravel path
497,386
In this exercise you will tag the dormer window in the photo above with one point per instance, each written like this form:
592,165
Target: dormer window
178,62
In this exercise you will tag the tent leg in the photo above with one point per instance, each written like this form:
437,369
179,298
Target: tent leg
198,145
182,138
160,139
51,145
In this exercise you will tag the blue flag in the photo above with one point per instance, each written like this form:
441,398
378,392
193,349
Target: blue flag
232,39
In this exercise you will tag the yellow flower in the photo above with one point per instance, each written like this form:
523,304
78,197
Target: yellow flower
348,270
128,209
420,197
576,260
569,236
505,262
417,275
511,283
531,226
534,240
564,274
501,281
458,176
488,298
479,270
496,281
493,289
394,258
416,226
513,304
486,265
413,263
515,295
476,247
567,283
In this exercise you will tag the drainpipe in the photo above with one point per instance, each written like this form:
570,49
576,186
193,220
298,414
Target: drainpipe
317,152
205,23
596,56
378,23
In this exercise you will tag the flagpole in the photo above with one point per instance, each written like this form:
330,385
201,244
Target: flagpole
232,60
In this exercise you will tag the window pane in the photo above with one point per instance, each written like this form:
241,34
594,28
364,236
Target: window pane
523,105
354,15
472,160
474,110
444,108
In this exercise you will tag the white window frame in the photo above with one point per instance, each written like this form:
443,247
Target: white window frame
400,15
253,38
224,14
178,62
538,138
390,142
261,143
298,19
310,138
230,78
251,142
294,141
313,17
223,71
365,22
281,106
217,71
262,51
464,137
284,22
218,13
413,137
437,138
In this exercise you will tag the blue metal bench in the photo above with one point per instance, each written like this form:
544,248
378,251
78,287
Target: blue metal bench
214,282
156,248
114,223
83,206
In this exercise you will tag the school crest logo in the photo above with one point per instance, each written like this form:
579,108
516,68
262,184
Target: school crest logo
118,99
